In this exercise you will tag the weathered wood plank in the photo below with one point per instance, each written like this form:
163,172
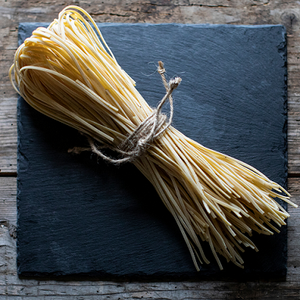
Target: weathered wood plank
213,11
8,129
8,201
11,286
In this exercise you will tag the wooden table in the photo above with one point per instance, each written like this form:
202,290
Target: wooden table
286,12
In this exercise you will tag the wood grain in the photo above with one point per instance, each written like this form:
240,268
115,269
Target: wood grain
286,12
154,11
12,287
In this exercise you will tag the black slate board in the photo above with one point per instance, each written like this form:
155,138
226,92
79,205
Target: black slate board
82,219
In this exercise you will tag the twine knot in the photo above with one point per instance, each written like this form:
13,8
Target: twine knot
141,139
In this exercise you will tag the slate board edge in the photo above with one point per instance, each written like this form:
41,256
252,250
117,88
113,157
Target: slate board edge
204,25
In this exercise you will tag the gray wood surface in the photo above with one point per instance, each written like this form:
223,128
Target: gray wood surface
12,12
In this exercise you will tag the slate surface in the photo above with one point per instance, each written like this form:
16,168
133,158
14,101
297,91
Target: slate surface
82,219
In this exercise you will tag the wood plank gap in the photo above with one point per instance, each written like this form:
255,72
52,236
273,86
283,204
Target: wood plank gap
8,174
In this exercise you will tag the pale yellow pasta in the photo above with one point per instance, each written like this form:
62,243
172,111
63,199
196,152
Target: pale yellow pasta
69,74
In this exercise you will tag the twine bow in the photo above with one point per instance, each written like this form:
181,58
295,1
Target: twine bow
140,140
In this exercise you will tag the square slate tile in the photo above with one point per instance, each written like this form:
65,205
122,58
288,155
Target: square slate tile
81,218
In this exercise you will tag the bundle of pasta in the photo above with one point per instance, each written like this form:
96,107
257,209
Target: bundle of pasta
68,73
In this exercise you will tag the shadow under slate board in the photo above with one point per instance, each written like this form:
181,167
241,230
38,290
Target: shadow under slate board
80,219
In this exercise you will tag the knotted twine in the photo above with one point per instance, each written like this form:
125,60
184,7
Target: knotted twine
141,139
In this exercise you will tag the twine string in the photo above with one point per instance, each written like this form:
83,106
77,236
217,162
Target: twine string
141,139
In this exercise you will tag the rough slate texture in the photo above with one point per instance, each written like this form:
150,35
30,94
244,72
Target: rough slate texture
80,218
